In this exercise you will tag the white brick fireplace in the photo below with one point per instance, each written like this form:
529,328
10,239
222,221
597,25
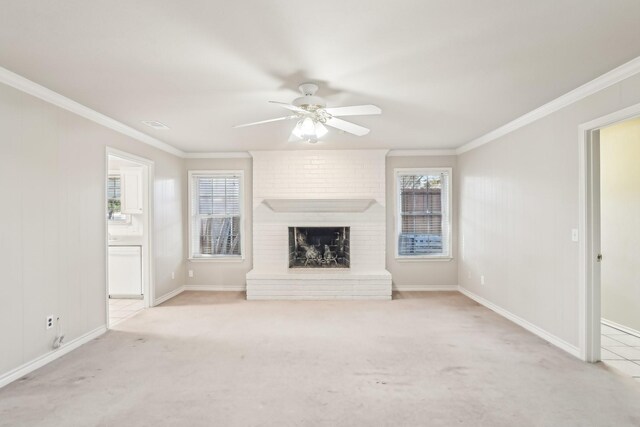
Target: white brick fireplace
319,189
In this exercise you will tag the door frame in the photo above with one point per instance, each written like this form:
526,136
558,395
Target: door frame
148,285
589,229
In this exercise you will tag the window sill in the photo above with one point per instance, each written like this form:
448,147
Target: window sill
219,259
423,258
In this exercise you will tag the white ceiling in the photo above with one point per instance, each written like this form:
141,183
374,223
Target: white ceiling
443,72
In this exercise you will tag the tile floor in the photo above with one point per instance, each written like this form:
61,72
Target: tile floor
621,351
121,309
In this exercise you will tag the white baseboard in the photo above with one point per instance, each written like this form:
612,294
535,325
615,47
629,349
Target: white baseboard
623,328
318,298
558,342
219,288
423,288
49,357
168,296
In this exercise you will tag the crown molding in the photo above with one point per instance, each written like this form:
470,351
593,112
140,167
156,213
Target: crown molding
25,85
414,153
219,155
610,78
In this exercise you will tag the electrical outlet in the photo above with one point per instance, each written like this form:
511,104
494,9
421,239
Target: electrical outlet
482,280
190,273
574,234
49,322
173,275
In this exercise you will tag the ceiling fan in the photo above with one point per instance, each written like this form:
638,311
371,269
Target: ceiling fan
312,115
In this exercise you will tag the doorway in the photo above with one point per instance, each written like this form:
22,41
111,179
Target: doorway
619,240
609,196
128,225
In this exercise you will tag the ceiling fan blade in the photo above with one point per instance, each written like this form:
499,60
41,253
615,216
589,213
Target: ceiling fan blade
347,126
355,110
266,121
290,107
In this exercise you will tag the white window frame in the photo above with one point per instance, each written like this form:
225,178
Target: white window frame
114,222
398,172
217,258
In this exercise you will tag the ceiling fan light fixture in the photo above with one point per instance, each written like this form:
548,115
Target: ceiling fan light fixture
305,129
297,131
321,130
308,126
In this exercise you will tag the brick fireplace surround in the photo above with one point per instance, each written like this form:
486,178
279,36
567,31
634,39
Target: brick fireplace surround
319,189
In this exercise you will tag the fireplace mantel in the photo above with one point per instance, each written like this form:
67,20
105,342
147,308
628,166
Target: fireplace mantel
319,205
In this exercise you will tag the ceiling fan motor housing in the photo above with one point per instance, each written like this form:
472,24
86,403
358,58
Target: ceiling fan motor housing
309,99
308,88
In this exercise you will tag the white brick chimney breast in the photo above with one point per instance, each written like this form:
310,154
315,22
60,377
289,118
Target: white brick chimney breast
312,188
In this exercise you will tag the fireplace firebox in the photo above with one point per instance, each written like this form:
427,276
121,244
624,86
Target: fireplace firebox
319,247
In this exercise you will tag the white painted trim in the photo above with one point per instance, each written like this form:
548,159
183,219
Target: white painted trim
218,258
49,357
128,156
219,155
415,153
627,113
558,342
588,246
216,288
612,77
620,327
589,230
260,297
27,86
423,258
169,295
424,288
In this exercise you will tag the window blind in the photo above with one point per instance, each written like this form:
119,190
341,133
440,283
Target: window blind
216,215
424,213
113,187
114,202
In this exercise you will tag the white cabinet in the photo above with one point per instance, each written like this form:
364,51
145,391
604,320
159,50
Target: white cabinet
131,190
125,271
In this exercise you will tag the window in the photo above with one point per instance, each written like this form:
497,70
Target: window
114,200
423,214
215,219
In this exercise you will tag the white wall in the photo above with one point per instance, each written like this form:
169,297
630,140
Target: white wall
52,223
421,274
406,275
620,213
518,202
223,275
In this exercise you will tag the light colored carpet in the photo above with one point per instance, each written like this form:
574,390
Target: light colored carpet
214,359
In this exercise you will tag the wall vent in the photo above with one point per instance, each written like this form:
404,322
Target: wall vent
155,124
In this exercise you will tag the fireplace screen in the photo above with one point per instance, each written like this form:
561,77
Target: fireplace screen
319,247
